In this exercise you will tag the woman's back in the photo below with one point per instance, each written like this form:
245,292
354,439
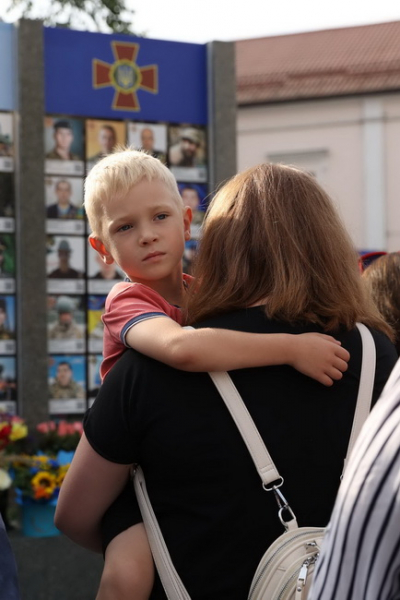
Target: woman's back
214,514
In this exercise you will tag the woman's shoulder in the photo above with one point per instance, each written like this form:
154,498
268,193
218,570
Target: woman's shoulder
384,348
386,358
383,344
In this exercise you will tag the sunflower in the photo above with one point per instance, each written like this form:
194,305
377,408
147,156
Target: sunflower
43,485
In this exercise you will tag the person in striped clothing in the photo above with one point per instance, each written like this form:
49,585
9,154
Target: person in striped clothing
360,555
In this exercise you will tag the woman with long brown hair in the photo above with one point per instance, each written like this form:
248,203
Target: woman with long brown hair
274,257
272,236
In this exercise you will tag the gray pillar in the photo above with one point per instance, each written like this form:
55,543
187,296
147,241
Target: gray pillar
30,226
375,213
221,112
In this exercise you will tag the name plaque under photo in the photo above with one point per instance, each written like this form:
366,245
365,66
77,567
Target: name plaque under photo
7,346
67,406
7,224
9,407
66,346
65,226
65,286
7,285
6,164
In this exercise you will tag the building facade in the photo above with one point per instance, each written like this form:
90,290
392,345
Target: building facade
329,102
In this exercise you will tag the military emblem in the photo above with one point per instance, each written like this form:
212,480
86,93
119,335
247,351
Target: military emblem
125,76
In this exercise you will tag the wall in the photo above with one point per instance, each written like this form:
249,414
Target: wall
351,144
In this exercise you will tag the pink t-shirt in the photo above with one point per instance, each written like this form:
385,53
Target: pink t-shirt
127,304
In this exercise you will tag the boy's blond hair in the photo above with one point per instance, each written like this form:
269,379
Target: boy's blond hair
272,236
115,175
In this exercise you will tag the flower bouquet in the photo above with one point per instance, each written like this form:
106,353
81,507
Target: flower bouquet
37,464
54,436
12,431
39,472
38,478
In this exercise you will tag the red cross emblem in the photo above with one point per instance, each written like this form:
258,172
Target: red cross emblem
125,76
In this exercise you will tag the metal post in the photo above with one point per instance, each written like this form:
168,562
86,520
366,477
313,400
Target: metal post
30,225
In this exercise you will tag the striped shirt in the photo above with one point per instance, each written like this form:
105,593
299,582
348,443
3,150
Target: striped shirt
360,555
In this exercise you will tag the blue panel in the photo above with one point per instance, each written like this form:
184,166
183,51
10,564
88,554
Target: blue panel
124,77
7,62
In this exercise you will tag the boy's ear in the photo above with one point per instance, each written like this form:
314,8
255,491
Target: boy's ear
187,219
98,245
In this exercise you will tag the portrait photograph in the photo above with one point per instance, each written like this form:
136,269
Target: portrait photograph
7,325
195,196
151,137
66,324
101,276
8,382
63,141
7,202
189,255
67,384
95,327
6,142
65,264
187,153
94,379
7,263
64,205
101,139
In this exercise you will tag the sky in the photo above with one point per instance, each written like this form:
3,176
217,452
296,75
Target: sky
226,20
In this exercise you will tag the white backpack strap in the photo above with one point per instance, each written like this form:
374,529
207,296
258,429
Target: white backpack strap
173,586
258,451
255,445
366,387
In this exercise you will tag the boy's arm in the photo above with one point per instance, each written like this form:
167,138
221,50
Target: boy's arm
317,355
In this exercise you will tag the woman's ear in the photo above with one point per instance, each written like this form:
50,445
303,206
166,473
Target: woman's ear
98,245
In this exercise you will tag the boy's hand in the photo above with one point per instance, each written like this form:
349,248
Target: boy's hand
319,356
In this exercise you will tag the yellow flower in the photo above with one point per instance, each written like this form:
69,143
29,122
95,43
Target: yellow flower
18,431
43,484
40,461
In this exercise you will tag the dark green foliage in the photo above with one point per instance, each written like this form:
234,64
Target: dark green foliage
108,16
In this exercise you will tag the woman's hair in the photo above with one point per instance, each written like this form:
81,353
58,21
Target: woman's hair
115,175
382,279
272,236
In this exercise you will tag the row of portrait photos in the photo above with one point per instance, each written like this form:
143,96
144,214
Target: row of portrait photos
72,146
73,382
8,363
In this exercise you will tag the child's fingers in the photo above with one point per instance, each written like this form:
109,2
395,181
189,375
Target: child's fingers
328,338
330,376
340,365
325,380
342,353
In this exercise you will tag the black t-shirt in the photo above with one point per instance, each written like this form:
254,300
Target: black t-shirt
216,518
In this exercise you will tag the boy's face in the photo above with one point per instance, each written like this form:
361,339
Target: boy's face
145,233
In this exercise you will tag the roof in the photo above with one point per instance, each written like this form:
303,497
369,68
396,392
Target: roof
334,62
